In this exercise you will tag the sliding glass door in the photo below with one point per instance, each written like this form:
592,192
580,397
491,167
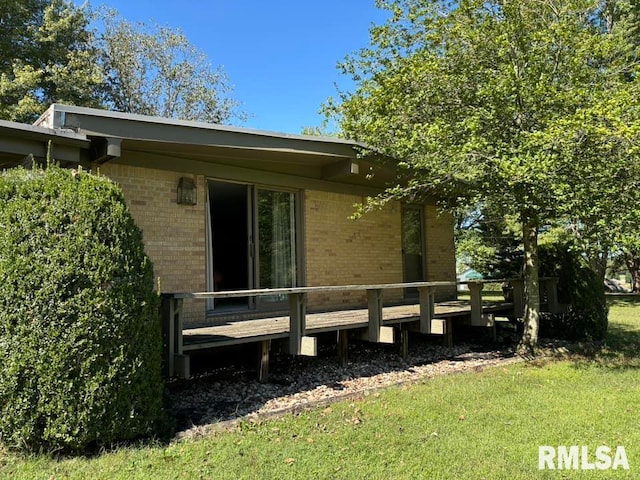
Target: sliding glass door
252,233
230,244
276,237
276,241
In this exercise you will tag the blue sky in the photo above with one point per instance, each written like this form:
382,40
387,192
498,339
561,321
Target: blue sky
280,55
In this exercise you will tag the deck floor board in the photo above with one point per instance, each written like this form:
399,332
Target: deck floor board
235,332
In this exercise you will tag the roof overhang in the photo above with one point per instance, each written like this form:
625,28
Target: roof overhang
125,136
20,143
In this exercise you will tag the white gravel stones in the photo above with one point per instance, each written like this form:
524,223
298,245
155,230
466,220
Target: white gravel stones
214,401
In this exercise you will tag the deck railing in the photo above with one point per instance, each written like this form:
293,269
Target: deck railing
176,363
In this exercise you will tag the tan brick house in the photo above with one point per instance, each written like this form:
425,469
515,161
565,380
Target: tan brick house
225,208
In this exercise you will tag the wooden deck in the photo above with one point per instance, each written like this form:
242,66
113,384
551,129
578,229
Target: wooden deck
299,330
251,331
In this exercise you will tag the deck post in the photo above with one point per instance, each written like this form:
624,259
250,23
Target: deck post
475,288
404,342
493,329
175,362
167,318
343,347
427,307
447,339
263,360
297,321
181,362
177,308
518,297
552,294
374,298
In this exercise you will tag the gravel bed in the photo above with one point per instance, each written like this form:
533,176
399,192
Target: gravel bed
218,399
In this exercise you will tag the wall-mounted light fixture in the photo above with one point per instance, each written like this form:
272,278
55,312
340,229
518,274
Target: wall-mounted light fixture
187,191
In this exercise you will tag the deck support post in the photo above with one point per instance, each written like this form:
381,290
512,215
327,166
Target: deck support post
447,338
518,297
494,331
297,321
182,366
175,363
167,318
343,347
375,331
263,360
374,298
404,342
475,288
427,307
299,343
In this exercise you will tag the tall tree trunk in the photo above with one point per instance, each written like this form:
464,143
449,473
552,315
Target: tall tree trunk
598,261
529,342
632,259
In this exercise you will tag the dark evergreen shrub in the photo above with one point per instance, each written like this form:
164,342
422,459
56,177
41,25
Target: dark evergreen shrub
80,340
579,288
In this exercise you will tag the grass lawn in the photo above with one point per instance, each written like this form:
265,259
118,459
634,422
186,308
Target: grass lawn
486,424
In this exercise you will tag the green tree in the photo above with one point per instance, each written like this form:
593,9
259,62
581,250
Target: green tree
314,131
473,95
155,70
16,18
46,56
488,242
603,143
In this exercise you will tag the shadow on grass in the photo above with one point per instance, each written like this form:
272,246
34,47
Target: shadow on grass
622,347
623,299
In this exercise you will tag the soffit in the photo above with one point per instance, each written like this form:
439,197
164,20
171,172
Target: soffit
313,166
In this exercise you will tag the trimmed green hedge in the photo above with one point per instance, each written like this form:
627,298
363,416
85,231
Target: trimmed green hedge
80,338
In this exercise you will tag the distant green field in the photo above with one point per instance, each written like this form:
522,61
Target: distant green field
486,424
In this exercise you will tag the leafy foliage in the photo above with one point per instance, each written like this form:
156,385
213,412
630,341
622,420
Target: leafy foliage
602,182
580,288
488,243
80,337
52,51
47,55
488,100
154,70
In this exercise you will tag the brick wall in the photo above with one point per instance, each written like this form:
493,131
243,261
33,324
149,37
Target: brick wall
174,235
441,262
341,251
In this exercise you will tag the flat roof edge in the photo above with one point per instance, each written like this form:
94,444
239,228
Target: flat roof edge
59,133
50,114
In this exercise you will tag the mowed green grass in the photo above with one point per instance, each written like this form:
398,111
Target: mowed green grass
485,424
